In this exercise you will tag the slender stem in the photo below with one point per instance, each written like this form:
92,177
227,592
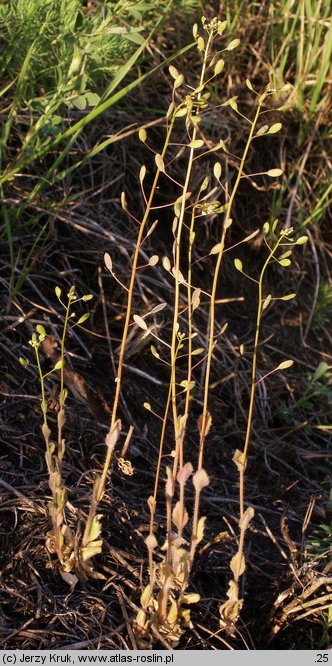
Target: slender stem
214,288
169,527
189,367
63,339
129,305
62,396
195,526
178,438
55,483
42,386
160,455
253,374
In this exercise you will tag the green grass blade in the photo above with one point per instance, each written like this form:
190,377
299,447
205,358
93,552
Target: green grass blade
26,267
95,113
7,87
326,63
19,89
9,235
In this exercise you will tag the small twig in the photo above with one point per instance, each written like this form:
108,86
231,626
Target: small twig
126,619
160,638
18,493
143,374
85,644
16,631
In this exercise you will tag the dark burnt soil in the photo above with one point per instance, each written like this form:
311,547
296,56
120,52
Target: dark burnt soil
287,467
